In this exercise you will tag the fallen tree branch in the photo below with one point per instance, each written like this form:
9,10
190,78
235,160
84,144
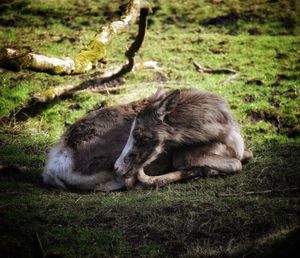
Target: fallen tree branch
294,189
207,69
88,57
135,46
40,251
107,76
95,85
230,78
52,93
107,90
147,65
166,83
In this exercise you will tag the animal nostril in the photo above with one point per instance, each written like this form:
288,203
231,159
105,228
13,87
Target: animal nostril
116,167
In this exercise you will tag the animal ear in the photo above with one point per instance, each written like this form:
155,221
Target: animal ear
159,94
166,105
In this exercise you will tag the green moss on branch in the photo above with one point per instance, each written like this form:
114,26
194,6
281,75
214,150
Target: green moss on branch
87,58
90,56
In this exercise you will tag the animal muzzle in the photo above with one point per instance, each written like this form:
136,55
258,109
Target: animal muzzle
121,168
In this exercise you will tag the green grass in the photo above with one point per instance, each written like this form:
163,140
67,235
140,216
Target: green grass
259,38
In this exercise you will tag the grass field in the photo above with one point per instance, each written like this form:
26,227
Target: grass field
258,38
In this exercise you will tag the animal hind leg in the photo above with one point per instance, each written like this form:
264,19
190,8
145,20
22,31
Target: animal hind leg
219,163
106,181
109,186
193,166
210,165
247,156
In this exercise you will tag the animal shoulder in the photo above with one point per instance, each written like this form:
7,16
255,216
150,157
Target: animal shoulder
199,97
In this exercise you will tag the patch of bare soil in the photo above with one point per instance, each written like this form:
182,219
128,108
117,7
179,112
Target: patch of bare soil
254,82
282,124
222,20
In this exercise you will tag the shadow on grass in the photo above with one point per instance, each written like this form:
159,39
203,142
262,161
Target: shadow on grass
282,246
34,108
185,219
15,174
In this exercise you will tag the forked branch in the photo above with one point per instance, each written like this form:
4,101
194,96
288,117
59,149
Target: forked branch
106,76
88,57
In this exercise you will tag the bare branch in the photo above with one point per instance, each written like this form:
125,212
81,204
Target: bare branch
258,192
207,69
230,78
135,46
96,85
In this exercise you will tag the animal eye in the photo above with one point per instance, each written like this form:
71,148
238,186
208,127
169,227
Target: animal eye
131,156
141,137
136,135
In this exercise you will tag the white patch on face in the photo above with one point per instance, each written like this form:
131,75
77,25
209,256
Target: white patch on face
158,150
120,164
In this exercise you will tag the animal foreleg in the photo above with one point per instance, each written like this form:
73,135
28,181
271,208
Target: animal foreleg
166,178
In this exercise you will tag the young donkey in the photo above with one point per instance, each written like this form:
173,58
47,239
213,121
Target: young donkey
187,132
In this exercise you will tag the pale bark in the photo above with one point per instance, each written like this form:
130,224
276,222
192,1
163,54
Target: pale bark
207,69
87,58
106,76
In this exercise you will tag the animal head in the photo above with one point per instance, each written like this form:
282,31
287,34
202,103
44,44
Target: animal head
148,133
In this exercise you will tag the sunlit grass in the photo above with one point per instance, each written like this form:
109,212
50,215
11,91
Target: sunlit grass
261,43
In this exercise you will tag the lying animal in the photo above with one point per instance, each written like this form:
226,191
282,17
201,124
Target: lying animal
152,142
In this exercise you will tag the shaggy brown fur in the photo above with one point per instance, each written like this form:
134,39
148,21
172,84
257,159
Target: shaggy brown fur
188,132
181,118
